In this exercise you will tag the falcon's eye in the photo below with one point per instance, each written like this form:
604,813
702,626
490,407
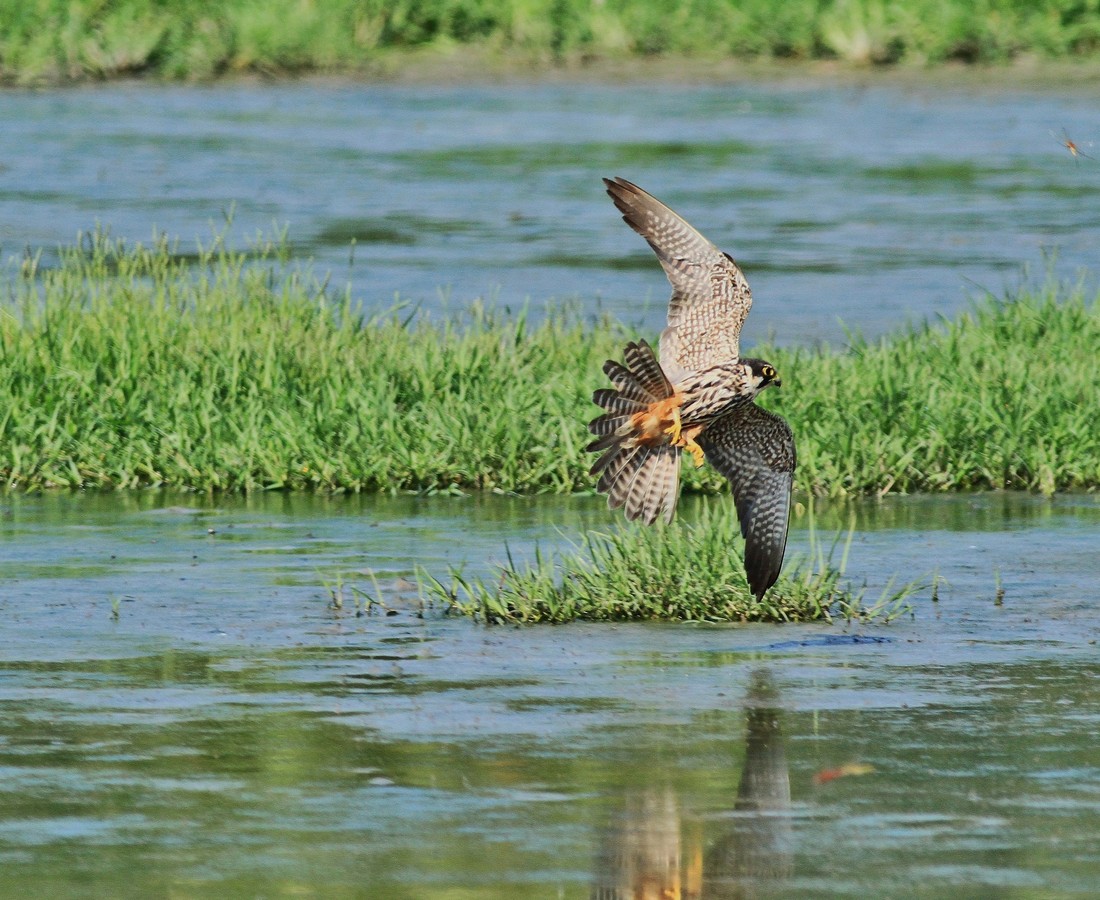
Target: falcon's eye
768,372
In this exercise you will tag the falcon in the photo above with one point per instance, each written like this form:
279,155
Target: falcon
695,395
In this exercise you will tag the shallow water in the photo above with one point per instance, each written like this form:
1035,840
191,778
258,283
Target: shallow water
872,204
185,713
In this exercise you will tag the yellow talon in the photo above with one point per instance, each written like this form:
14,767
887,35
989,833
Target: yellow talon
685,439
696,452
673,431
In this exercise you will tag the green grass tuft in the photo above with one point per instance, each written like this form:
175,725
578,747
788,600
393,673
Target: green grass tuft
684,572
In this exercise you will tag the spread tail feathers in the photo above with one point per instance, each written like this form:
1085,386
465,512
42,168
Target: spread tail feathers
642,477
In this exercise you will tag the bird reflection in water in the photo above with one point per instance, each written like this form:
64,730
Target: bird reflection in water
648,852
756,849
642,854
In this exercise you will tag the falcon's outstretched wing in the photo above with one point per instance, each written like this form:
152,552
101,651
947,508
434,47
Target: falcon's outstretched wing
710,296
754,449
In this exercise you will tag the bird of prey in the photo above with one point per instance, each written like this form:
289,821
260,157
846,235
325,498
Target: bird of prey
698,396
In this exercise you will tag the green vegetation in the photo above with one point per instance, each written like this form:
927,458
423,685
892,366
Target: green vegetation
690,572
1002,397
130,366
65,40
135,366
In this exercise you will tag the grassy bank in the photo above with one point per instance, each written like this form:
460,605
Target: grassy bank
131,366
71,40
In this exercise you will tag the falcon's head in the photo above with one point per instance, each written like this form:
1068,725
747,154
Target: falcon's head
762,374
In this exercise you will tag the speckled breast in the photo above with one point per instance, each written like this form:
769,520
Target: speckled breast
711,393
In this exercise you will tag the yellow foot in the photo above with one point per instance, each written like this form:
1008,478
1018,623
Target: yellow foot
695,450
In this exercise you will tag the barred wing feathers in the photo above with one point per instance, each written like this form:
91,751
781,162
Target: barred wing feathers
754,449
710,296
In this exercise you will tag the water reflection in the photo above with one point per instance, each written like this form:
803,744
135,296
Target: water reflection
652,850
758,849
641,851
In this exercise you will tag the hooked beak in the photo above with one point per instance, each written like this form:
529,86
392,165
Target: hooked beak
777,382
